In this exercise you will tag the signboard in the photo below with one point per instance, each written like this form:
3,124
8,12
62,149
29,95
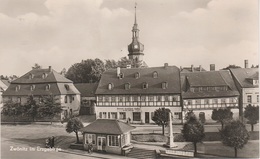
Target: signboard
128,109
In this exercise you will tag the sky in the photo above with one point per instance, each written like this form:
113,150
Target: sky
59,33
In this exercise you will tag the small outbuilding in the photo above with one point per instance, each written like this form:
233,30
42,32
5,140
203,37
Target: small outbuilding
108,135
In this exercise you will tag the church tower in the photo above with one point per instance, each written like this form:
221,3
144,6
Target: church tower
136,48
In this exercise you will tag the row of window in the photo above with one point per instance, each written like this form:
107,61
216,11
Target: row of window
210,106
113,140
137,98
69,98
144,85
31,76
47,87
112,115
218,88
210,101
138,75
145,103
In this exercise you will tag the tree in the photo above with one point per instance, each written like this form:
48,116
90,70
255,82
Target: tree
88,71
234,135
189,114
252,114
161,117
134,63
230,66
12,109
36,66
193,131
31,108
222,115
111,64
73,125
49,107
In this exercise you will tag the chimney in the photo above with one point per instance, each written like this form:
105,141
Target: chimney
192,68
200,68
118,71
180,68
246,63
165,65
212,67
50,69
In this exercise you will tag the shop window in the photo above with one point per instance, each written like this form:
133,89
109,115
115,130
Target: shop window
136,116
113,140
91,138
177,115
104,115
113,115
122,115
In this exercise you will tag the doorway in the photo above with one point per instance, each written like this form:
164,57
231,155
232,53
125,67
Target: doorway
147,117
101,144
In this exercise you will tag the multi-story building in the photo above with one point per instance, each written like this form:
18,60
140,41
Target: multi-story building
247,82
134,94
204,91
43,82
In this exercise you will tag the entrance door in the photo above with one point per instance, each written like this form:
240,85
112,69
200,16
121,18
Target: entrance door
147,117
101,143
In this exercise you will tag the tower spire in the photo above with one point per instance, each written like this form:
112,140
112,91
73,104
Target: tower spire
135,12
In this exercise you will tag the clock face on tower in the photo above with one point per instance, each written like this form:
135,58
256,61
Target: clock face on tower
135,46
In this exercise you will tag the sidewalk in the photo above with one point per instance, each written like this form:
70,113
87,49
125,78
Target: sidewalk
94,154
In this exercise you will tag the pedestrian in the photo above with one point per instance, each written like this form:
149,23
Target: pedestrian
90,148
52,141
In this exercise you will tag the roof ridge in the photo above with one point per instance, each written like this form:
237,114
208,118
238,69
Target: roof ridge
117,123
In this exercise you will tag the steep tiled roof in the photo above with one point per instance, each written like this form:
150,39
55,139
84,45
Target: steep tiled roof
51,76
87,89
107,126
208,79
243,74
169,74
58,84
6,82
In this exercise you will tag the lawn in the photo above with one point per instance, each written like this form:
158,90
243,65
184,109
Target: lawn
35,135
209,136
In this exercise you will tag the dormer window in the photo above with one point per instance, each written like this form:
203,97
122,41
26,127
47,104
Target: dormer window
121,75
44,75
110,86
127,86
67,87
155,74
17,88
32,87
137,75
31,76
164,85
145,85
47,87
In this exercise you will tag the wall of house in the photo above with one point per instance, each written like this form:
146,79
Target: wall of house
105,113
206,106
254,93
71,104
